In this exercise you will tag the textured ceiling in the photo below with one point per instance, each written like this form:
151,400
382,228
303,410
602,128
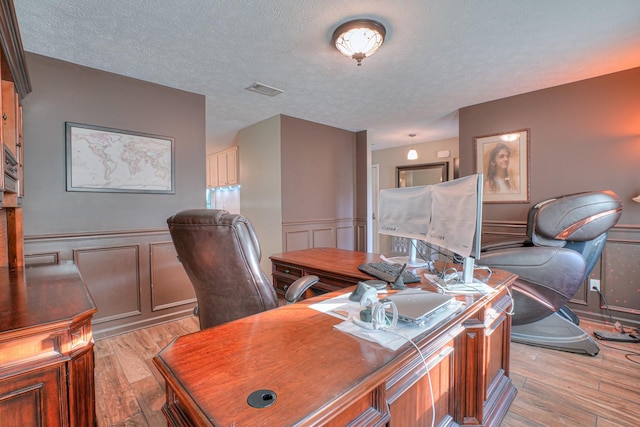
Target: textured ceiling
439,55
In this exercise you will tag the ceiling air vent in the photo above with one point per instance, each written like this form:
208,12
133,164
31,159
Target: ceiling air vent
264,89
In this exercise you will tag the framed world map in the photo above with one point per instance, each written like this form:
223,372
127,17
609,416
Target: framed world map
113,160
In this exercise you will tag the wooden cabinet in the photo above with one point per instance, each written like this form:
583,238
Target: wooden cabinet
46,347
222,168
12,152
15,85
26,398
46,341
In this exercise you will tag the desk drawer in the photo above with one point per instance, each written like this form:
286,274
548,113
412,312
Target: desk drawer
287,270
281,284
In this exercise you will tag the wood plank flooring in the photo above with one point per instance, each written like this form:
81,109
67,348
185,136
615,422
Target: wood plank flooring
554,388
129,389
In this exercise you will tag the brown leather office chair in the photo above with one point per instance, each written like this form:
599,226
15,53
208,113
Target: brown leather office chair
221,254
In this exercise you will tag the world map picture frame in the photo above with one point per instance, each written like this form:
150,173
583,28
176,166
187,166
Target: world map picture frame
102,159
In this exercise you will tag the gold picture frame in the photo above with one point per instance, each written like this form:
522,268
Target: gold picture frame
503,159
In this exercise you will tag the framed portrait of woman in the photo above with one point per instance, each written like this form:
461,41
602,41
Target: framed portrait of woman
503,159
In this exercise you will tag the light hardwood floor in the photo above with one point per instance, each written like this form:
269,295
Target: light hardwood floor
554,388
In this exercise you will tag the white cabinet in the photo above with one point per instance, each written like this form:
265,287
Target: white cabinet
222,168
212,170
231,167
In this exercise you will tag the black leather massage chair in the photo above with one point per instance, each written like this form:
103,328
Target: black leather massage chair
565,238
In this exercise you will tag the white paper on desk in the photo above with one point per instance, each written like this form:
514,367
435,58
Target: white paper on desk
345,309
402,333
341,307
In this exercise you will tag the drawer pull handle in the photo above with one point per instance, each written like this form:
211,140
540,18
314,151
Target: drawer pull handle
285,287
287,271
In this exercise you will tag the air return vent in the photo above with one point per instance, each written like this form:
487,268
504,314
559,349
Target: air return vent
264,89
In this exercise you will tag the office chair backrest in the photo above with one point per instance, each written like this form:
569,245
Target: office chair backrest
221,254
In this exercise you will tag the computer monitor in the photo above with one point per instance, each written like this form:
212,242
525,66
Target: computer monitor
404,212
447,215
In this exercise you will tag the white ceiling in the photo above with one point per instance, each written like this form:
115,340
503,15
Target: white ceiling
439,55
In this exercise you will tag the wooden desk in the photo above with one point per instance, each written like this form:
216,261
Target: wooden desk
322,376
336,268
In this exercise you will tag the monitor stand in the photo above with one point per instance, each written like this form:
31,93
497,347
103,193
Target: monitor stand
465,276
410,260
468,266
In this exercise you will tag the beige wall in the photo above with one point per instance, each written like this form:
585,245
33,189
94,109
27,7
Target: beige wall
261,188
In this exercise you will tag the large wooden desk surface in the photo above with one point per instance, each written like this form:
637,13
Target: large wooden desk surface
322,376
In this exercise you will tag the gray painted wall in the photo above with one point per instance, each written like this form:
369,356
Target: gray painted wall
318,171
388,159
294,170
584,136
66,92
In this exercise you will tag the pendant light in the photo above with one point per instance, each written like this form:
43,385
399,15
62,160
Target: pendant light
413,154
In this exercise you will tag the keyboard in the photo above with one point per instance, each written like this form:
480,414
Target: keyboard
388,272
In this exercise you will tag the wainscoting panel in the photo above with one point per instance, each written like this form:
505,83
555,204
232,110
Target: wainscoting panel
134,277
334,233
345,237
324,237
503,231
112,276
361,234
295,240
620,283
170,285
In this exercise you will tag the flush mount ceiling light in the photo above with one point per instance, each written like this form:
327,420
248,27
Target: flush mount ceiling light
359,39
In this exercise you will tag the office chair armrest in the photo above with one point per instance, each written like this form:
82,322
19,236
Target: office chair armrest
299,287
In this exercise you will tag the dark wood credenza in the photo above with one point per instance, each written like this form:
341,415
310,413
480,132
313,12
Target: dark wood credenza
322,376
46,348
